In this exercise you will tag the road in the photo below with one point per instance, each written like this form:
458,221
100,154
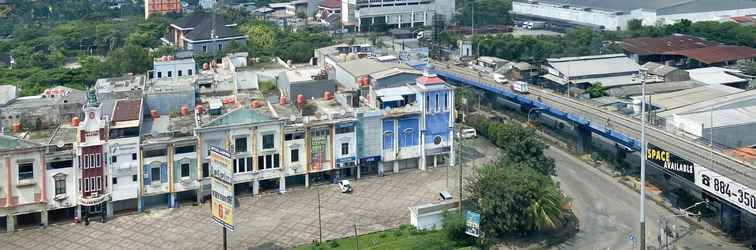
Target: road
735,169
608,211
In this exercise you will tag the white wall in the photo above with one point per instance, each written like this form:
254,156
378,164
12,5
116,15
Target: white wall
67,200
124,168
300,166
705,16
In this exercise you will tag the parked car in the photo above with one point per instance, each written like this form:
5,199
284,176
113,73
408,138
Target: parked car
469,133
345,186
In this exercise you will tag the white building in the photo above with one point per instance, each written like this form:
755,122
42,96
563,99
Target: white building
614,14
181,65
124,153
362,14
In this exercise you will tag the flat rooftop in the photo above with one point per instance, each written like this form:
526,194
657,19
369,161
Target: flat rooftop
594,65
670,101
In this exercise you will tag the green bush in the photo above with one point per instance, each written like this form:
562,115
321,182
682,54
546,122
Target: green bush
334,244
266,86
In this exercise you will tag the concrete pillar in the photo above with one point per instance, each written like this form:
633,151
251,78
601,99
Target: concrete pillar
399,21
282,185
435,161
359,171
78,212
255,187
109,209
583,139
43,217
10,223
422,162
396,166
140,203
172,202
307,179
380,168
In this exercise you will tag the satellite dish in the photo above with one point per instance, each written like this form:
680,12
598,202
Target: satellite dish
60,144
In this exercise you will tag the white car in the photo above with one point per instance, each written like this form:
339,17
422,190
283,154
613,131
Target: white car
469,133
345,186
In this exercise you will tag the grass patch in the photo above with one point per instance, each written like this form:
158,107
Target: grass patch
405,237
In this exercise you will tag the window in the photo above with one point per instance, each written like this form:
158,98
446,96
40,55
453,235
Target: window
155,174
240,144
134,178
267,141
427,103
160,74
268,161
261,162
133,156
294,136
98,160
241,165
220,46
294,155
184,169
348,128
60,164
204,48
190,72
115,180
446,102
25,171
185,149
99,183
60,186
86,184
154,153
170,73
114,159
437,106
180,73
276,160
344,148
205,169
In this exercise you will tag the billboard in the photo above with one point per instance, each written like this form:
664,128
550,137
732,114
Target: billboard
670,162
222,187
726,189
472,220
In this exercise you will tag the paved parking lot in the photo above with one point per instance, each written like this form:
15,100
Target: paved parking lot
269,221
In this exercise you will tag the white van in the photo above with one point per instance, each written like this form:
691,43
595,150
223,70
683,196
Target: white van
469,133
499,78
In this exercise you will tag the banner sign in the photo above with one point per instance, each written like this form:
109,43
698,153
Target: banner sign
726,189
671,162
222,186
472,220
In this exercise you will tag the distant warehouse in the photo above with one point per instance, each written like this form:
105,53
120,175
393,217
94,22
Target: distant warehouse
614,14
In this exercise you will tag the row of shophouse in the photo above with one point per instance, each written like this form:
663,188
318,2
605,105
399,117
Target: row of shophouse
142,141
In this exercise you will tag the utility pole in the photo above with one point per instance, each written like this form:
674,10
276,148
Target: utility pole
461,164
356,240
320,223
642,74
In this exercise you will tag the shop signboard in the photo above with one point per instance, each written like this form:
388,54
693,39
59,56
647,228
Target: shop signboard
222,187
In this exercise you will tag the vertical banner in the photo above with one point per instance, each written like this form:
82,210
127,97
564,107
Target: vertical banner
472,219
222,186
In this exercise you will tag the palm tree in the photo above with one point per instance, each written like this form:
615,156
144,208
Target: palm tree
546,210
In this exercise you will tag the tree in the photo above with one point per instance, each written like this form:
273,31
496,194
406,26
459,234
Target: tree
262,38
487,12
514,200
595,90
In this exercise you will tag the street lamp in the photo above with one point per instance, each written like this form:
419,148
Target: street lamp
642,74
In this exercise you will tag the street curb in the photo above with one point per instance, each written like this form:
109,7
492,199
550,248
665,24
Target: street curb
563,146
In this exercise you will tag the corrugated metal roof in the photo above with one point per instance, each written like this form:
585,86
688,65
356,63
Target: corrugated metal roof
741,99
658,45
669,101
717,54
593,65
722,118
714,75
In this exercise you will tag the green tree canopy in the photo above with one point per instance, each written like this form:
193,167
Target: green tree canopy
487,12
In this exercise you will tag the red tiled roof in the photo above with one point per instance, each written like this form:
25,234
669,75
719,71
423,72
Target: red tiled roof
127,110
430,80
743,19
717,54
658,45
331,4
